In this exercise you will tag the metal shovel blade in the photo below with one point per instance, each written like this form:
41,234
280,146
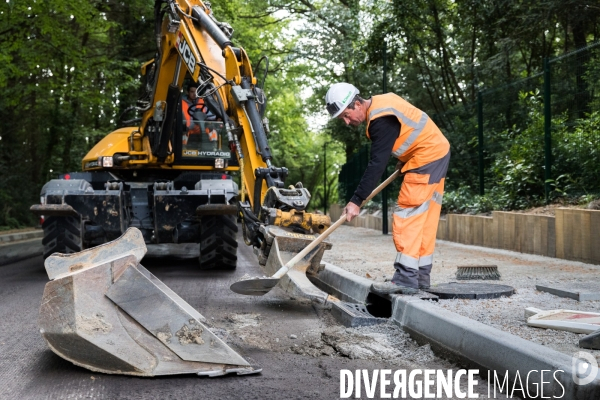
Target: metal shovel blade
261,286
254,287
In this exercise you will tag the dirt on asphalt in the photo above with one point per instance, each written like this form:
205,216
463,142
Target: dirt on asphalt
385,344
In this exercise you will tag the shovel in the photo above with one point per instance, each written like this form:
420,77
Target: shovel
261,286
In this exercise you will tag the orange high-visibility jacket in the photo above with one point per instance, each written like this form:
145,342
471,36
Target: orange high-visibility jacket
420,141
185,106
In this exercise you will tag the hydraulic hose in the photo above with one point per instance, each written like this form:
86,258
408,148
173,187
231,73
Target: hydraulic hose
256,121
211,27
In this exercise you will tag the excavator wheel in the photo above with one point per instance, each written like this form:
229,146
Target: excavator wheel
61,235
218,242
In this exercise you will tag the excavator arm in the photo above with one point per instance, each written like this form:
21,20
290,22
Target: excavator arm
192,41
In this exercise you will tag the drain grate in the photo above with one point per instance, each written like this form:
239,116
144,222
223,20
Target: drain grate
354,314
484,272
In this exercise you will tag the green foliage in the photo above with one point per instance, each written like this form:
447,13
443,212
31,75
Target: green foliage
464,201
68,69
576,153
518,172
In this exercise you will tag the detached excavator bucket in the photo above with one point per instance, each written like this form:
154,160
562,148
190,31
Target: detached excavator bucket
102,310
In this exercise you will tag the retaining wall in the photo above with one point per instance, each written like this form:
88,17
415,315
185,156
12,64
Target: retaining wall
572,234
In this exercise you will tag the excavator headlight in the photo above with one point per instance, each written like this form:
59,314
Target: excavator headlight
106,162
219,163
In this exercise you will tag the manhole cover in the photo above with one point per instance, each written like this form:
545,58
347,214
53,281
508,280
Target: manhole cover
455,290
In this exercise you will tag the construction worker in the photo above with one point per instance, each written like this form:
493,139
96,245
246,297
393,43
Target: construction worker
395,127
195,113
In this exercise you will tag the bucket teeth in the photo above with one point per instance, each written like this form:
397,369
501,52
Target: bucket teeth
111,315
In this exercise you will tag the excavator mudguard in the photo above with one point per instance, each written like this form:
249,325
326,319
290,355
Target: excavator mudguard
102,310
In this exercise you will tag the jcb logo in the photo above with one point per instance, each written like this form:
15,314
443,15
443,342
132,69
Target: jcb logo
186,53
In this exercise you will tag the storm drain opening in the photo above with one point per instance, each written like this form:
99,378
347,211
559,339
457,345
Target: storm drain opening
378,306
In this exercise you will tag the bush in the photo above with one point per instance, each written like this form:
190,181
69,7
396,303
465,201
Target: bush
464,201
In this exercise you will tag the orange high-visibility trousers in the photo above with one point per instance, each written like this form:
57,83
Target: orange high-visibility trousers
415,222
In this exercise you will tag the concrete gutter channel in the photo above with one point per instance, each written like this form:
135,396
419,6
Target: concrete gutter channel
20,246
453,336
467,341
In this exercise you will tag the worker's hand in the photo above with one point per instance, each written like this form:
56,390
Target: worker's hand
399,165
351,210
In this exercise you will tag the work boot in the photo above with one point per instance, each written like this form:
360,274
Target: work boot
405,276
424,277
391,288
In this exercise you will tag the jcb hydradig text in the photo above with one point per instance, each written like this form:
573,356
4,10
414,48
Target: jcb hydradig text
166,177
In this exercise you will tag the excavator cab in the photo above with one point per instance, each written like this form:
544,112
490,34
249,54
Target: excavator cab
201,135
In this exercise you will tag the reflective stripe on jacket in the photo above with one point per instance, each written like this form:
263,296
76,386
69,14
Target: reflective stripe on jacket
420,141
212,134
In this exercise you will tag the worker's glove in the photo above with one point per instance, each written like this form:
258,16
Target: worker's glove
399,165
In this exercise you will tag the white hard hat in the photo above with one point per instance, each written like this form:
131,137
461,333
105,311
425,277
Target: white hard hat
339,96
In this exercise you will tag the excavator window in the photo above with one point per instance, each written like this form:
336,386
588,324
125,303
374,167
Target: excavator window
199,141
206,139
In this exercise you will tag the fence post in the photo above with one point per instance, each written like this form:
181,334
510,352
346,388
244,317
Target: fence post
325,178
384,193
547,129
480,141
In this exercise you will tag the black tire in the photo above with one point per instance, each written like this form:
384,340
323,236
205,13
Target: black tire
218,242
61,235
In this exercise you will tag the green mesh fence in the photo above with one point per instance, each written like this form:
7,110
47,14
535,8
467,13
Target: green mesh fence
575,116
352,171
534,138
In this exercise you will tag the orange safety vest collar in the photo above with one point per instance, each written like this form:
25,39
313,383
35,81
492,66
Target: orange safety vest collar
420,141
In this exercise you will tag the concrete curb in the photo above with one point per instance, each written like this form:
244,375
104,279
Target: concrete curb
19,236
469,341
13,251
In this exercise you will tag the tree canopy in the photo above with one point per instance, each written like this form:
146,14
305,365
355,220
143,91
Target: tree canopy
69,68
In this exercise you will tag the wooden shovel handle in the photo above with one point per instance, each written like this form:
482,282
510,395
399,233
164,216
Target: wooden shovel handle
283,270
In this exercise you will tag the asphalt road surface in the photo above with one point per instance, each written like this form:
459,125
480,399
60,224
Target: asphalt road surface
260,326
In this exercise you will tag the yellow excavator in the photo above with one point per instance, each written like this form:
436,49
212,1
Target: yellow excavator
167,177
